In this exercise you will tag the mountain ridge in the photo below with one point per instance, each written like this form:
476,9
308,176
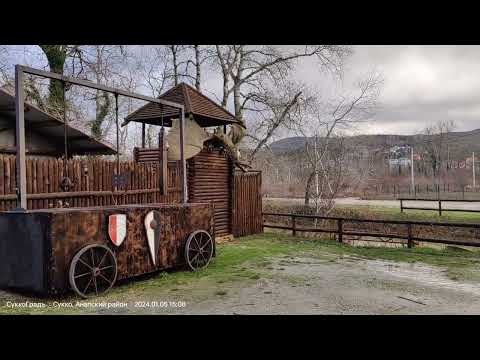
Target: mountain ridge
461,143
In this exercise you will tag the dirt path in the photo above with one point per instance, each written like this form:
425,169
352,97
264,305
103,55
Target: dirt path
346,286
388,203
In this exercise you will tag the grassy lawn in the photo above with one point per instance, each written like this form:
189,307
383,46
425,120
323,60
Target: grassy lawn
248,259
393,213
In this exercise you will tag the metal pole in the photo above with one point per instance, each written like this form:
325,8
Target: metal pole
473,169
20,140
182,157
411,171
65,130
96,86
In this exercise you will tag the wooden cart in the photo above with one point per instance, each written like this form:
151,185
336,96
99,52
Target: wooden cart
53,250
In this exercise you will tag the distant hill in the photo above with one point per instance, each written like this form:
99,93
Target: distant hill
461,143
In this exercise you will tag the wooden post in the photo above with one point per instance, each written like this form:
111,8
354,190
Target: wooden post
440,207
143,135
294,225
182,157
163,159
340,230
401,205
409,231
463,192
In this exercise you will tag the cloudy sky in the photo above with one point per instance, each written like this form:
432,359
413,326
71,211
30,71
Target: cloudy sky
422,84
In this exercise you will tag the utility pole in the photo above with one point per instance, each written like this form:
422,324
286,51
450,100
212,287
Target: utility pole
317,190
411,169
473,168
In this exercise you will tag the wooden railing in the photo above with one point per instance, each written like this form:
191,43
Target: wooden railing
411,229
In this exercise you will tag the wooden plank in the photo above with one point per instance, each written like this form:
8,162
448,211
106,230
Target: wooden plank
91,180
40,182
2,183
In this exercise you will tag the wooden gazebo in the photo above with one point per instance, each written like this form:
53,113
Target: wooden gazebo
211,173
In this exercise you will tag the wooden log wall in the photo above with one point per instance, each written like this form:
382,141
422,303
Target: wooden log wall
210,176
247,203
146,154
92,183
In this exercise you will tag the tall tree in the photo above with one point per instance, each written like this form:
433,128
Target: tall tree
435,146
56,56
246,69
321,133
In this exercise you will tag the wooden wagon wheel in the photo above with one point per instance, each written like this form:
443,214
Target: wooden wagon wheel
93,270
198,250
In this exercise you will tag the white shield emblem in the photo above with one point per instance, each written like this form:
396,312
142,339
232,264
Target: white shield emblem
152,228
117,228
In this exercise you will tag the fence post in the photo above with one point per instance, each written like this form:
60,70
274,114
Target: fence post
340,230
439,207
401,205
294,225
463,192
409,232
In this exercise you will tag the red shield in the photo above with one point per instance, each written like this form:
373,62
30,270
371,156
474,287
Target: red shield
117,228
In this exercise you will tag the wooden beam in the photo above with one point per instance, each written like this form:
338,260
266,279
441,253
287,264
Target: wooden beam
11,108
162,148
43,124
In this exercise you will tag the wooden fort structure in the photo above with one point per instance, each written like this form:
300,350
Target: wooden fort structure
82,224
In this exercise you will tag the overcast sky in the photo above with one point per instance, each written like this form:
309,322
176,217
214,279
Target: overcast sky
423,84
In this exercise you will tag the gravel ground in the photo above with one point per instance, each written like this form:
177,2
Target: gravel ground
346,286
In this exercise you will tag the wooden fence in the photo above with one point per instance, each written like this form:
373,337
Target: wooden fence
395,190
408,232
92,186
92,183
247,203
439,209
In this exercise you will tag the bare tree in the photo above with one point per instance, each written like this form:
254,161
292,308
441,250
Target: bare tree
182,58
4,75
435,146
246,70
323,145
275,109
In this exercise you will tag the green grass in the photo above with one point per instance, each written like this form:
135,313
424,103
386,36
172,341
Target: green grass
393,213
249,259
